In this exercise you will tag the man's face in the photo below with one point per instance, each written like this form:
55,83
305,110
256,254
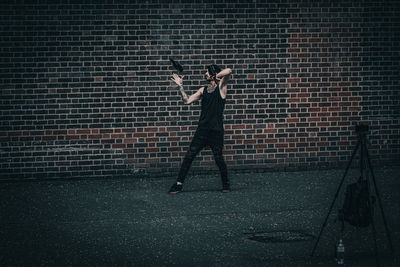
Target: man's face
208,76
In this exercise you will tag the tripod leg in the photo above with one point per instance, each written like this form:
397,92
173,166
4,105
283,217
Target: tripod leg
364,166
373,229
380,203
334,199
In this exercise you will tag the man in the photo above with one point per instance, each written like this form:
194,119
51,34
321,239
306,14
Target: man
210,131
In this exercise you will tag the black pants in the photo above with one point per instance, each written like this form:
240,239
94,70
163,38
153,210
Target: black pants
202,138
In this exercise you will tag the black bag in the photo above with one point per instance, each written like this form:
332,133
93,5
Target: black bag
356,208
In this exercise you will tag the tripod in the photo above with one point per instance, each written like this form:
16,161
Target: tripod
365,165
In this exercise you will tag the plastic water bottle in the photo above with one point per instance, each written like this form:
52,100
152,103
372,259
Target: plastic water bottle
340,252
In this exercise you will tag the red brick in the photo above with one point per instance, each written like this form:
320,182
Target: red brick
118,145
120,135
95,136
83,131
270,130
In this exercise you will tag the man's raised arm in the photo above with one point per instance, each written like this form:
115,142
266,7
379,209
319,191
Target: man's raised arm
223,76
223,73
187,100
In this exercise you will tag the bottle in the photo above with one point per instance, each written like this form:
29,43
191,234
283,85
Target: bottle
340,253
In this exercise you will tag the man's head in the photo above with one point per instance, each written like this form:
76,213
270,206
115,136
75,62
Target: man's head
212,70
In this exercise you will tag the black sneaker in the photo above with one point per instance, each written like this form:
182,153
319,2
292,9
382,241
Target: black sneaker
175,188
226,188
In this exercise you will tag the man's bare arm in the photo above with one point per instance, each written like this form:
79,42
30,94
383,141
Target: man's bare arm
223,77
223,73
186,99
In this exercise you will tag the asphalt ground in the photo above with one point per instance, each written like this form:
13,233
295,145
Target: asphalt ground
268,219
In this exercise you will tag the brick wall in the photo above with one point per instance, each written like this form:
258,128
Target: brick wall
85,88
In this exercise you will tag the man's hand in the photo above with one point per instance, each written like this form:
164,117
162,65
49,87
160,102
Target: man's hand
177,79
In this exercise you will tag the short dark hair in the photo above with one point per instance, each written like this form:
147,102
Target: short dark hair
213,69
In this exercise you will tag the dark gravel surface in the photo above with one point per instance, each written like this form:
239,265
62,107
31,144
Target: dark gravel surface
269,219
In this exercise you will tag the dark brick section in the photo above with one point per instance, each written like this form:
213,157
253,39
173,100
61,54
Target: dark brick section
85,88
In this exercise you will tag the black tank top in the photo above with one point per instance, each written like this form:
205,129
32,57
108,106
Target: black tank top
212,108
